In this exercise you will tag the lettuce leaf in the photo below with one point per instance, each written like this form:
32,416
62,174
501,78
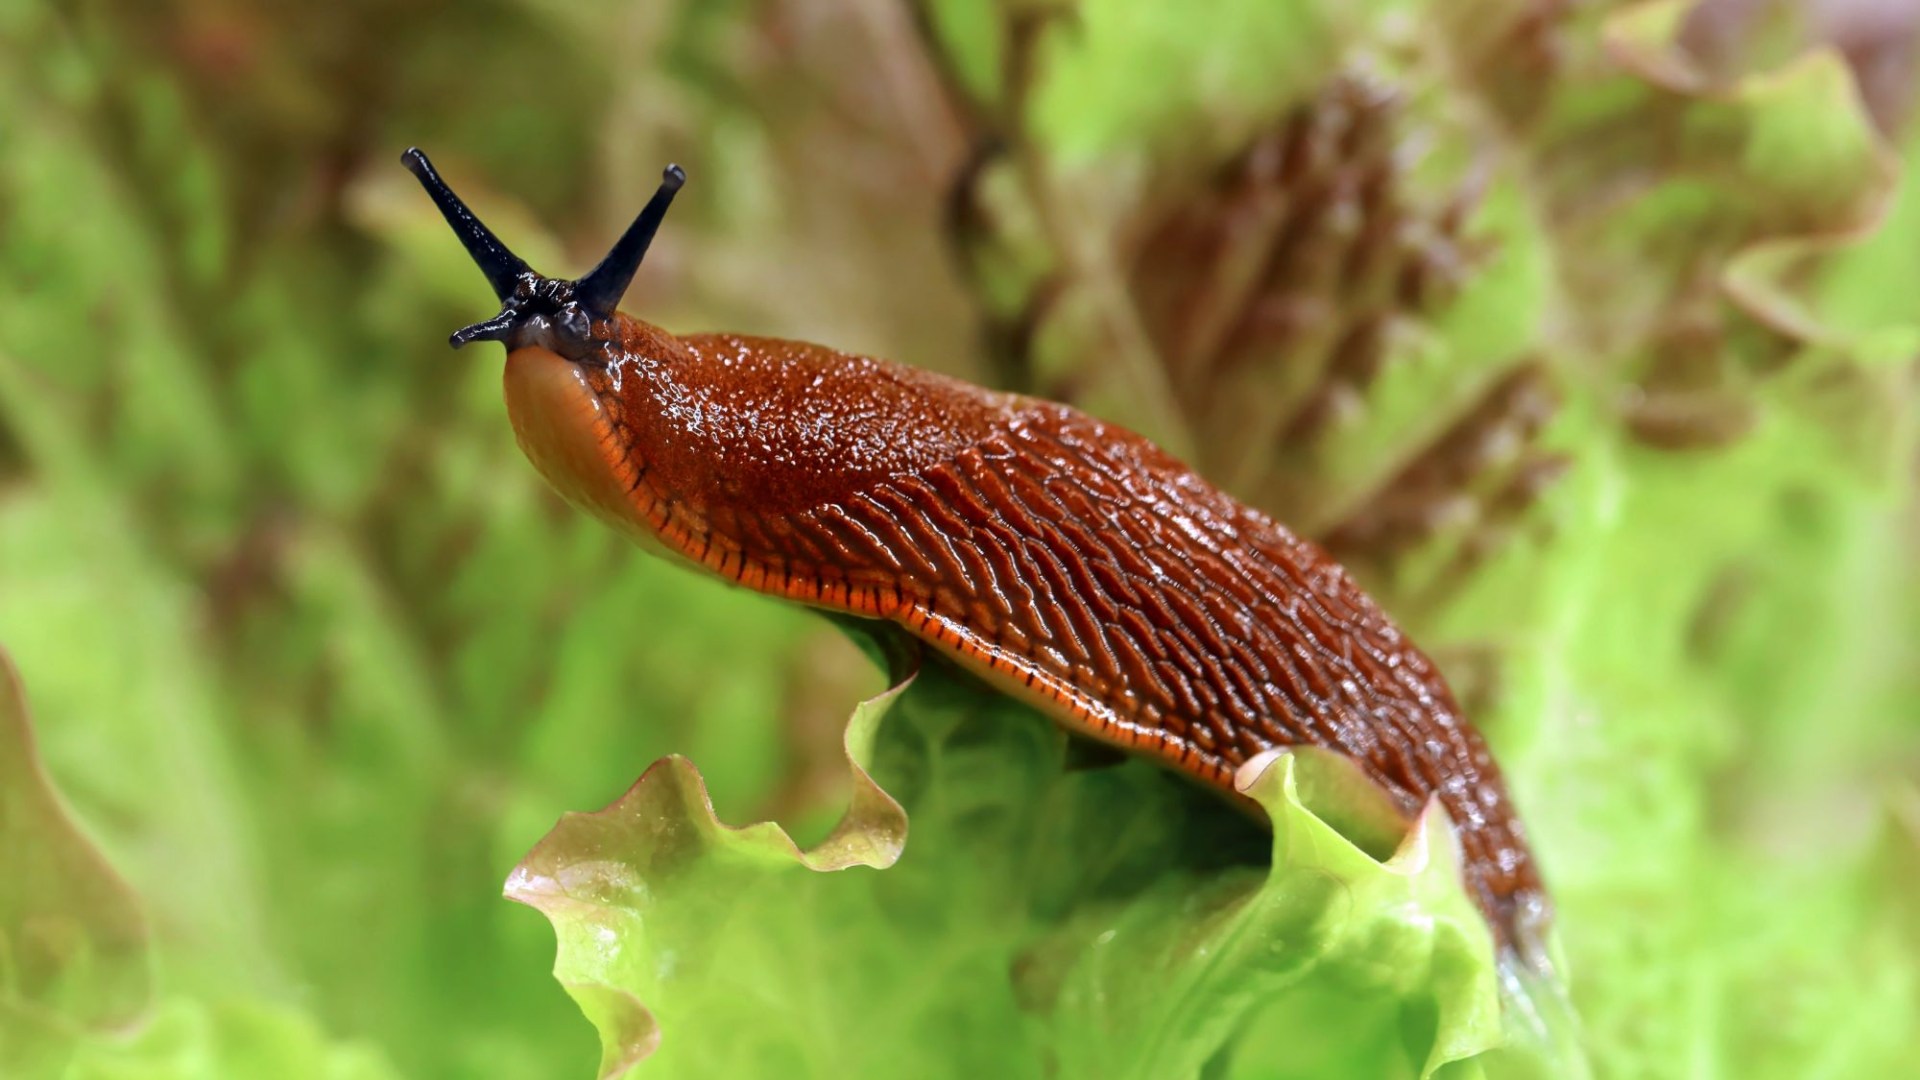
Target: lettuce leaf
1043,921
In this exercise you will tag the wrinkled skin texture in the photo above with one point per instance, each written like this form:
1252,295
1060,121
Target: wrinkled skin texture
1067,561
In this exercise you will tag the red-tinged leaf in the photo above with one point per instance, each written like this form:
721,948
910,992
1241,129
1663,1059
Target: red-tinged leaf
73,942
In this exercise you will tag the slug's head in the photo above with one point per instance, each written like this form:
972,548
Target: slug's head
572,318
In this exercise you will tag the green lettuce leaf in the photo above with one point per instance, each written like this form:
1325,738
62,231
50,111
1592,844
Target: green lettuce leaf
602,879
1043,921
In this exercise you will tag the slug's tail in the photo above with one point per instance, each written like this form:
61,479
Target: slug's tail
1543,1037
1542,1029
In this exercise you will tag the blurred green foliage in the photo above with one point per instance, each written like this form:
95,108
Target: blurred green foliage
1584,332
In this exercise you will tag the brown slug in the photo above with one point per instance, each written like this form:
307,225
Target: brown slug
1069,562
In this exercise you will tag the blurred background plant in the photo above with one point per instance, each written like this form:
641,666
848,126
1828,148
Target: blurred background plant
1584,332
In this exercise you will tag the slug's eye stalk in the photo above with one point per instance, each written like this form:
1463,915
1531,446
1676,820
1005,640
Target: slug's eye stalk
535,309
503,268
600,291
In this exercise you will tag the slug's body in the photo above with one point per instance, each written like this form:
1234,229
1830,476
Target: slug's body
1067,561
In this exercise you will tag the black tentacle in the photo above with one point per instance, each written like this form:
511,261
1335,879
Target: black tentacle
603,286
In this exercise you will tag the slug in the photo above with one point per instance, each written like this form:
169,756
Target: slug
1069,562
